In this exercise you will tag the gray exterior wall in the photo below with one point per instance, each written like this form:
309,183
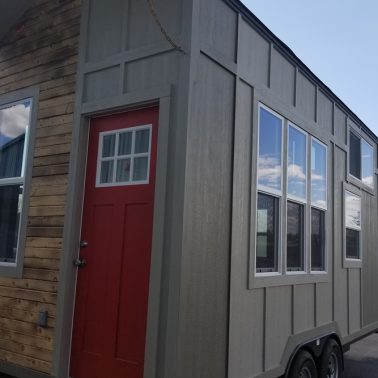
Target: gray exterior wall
208,315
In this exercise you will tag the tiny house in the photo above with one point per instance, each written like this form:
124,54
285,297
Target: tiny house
180,197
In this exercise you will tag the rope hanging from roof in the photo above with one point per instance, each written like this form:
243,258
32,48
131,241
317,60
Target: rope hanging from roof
163,31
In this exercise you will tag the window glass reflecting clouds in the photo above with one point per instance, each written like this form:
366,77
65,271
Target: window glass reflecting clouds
270,150
14,121
367,164
318,174
352,211
296,170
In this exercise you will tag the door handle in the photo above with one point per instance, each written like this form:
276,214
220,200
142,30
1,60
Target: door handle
80,263
83,244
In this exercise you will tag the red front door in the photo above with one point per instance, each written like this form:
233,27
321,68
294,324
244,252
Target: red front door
112,288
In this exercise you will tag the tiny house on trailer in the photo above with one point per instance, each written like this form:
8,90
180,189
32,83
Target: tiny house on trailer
181,197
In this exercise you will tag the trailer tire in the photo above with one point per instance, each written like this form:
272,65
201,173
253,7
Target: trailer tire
331,361
303,366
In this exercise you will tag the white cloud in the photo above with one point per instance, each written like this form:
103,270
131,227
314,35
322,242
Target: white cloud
14,120
295,171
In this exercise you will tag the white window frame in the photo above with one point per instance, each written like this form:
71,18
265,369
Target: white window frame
116,157
283,197
31,94
272,192
313,139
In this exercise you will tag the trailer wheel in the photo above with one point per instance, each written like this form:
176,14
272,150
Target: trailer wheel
303,366
330,364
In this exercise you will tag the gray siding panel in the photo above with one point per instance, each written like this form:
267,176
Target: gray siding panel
105,28
206,247
219,28
370,258
306,97
341,309
283,78
140,34
154,71
325,113
304,307
278,323
246,340
340,127
354,300
323,303
254,56
102,84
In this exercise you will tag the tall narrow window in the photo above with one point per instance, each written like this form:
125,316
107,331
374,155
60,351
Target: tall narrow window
295,237
318,204
297,164
318,174
367,165
14,123
352,225
354,155
267,233
361,159
269,182
270,151
317,240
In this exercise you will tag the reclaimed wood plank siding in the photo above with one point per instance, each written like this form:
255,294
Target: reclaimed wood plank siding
40,50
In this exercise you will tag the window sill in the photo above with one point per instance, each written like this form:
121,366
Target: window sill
259,281
352,263
360,185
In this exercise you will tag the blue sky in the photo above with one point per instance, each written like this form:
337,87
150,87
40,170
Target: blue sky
337,40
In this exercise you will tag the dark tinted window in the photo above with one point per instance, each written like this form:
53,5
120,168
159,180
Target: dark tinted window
295,236
354,155
352,244
10,204
317,240
267,233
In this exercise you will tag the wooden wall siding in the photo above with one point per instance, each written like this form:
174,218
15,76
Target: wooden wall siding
41,50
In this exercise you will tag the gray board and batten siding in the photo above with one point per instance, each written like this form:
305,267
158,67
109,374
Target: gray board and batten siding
208,314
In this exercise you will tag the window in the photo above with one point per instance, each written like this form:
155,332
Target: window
354,155
124,157
367,168
297,164
301,203
318,174
295,237
361,159
269,179
317,240
14,130
267,233
352,225
270,151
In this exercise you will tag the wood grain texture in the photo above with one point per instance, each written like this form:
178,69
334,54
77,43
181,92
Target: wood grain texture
40,50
